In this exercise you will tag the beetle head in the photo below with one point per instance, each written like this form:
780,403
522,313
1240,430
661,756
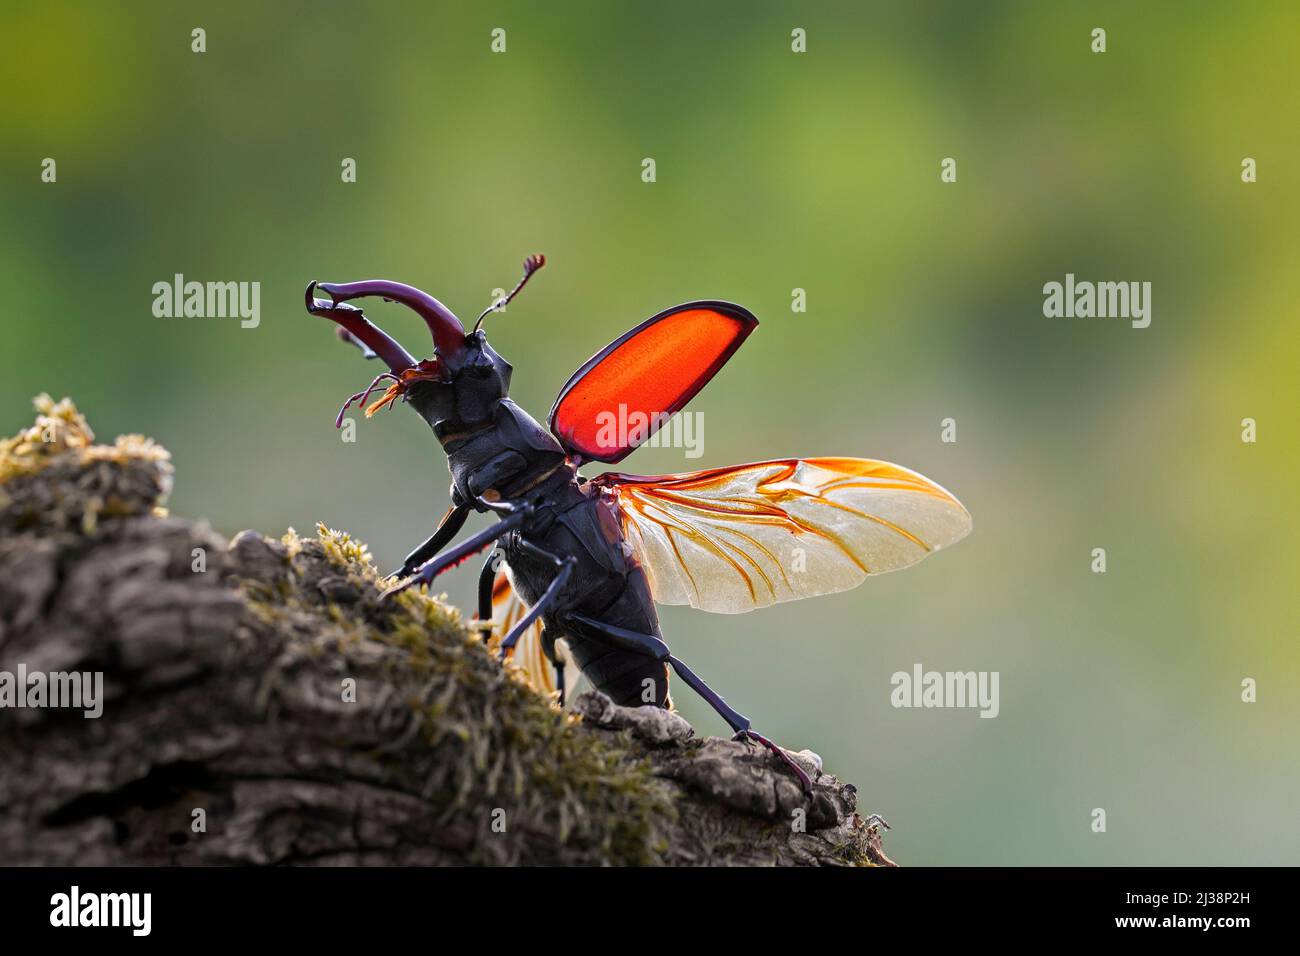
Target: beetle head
463,380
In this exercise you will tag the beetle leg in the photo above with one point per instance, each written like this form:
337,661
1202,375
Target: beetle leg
804,780
548,648
500,507
652,646
625,640
435,566
448,528
564,568
548,598
486,580
739,722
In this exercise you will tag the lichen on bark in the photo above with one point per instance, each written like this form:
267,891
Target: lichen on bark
263,682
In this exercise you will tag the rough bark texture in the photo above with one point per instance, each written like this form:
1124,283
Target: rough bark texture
227,668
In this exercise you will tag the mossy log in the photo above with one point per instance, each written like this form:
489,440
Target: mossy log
262,706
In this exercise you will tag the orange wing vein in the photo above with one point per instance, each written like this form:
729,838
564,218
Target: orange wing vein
733,539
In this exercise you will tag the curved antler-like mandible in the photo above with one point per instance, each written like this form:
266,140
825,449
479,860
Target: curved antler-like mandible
448,334
361,330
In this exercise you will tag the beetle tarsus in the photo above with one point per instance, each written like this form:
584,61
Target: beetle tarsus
804,780
472,545
738,721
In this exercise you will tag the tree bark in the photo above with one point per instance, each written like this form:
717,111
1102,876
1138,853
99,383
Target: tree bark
262,706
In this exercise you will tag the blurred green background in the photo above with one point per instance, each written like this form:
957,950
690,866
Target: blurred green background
775,170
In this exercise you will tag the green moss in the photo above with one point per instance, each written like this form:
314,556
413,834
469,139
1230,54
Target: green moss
458,728
478,736
54,477
491,739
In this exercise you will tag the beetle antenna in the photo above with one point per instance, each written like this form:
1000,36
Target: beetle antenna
531,265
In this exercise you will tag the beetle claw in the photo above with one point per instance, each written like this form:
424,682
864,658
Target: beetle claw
395,589
805,782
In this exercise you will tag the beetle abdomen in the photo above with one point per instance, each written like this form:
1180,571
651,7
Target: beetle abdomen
630,680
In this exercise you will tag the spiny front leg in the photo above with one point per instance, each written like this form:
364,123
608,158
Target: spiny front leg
448,528
431,569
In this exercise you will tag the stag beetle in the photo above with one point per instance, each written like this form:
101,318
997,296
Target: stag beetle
580,562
